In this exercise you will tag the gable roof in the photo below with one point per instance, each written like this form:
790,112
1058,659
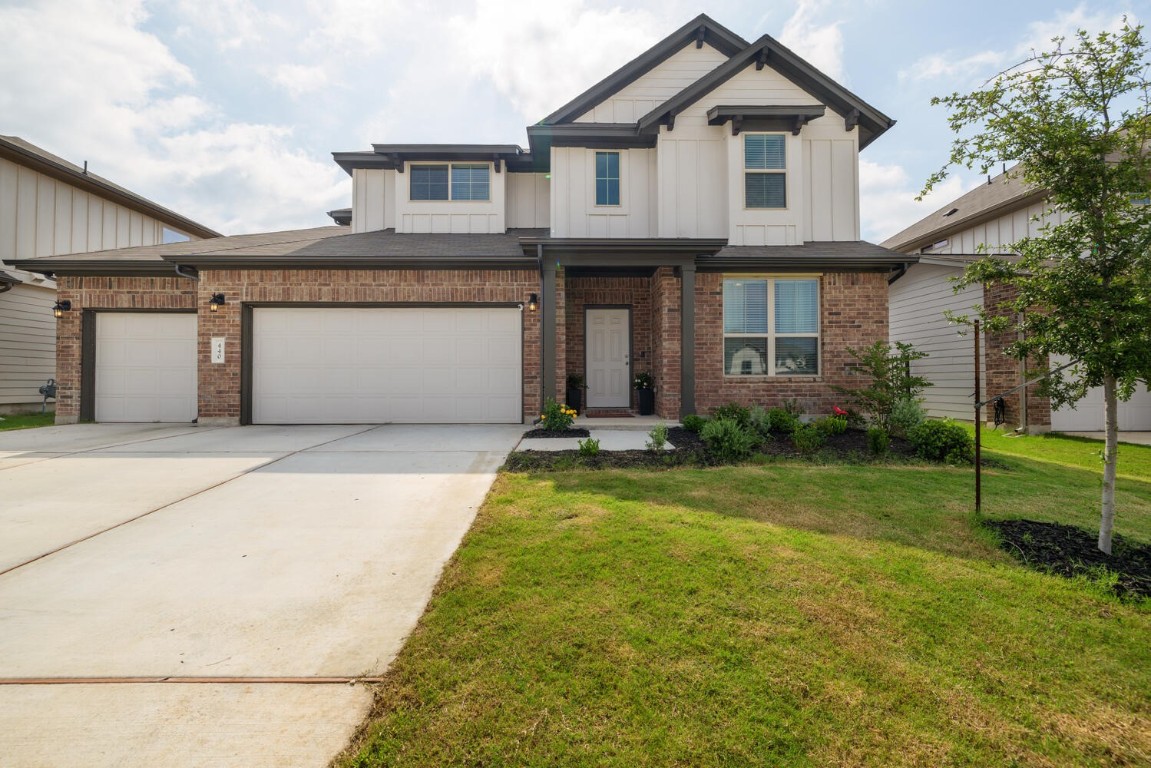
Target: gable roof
19,151
1002,194
702,29
767,51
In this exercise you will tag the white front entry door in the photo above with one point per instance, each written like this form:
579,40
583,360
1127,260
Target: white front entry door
608,358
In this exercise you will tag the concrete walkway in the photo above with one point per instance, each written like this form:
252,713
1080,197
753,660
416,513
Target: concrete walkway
194,596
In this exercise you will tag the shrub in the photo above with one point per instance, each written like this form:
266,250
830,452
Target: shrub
831,425
557,417
906,415
888,379
729,440
878,441
782,420
694,423
792,406
759,419
589,447
943,441
732,412
657,438
808,438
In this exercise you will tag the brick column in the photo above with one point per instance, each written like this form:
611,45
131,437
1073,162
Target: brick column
666,337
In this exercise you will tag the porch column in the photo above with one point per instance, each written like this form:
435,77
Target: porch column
548,344
687,340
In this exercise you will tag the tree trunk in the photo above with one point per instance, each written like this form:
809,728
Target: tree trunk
1110,449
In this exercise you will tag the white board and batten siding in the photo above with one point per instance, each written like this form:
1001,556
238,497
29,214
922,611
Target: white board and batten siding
998,234
528,201
574,212
343,365
916,304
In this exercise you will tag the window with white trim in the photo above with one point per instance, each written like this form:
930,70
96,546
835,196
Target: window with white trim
607,178
770,326
764,170
450,181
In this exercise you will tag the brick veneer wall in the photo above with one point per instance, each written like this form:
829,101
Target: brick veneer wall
853,314
219,384
666,341
1003,371
583,292
142,293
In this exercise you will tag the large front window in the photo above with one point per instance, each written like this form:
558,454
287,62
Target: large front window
454,181
770,326
764,170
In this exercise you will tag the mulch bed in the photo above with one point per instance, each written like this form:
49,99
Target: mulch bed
1069,551
691,451
540,432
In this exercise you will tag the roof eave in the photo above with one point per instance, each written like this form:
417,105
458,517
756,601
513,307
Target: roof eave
944,231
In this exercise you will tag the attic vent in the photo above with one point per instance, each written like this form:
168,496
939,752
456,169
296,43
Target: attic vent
933,246
951,212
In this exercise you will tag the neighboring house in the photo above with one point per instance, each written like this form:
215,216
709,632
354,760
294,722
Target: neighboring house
48,207
694,216
988,219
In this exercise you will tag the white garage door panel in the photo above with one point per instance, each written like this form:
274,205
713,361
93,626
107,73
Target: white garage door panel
371,365
1089,413
145,367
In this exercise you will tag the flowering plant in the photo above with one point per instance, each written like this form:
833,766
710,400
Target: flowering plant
642,381
835,409
557,417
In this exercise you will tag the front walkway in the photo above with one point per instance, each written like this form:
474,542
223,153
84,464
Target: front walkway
191,596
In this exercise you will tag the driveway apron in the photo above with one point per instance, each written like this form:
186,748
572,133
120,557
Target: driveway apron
217,596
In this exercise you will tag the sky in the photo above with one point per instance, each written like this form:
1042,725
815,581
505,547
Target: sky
227,111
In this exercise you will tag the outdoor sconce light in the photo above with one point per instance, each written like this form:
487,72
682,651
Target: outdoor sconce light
216,301
533,303
61,307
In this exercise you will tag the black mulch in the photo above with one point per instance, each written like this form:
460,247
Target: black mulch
691,451
1069,551
540,432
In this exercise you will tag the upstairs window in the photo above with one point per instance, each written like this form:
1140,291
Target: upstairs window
764,170
770,327
607,178
450,181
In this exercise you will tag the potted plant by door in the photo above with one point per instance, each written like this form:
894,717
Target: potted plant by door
642,384
574,392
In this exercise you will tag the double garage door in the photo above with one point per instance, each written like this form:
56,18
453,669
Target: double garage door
336,365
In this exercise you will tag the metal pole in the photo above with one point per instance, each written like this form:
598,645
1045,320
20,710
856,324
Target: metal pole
978,397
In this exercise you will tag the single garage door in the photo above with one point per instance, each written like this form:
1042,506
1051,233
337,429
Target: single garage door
1088,414
343,365
145,366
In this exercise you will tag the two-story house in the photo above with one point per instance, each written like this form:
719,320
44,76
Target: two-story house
49,206
694,216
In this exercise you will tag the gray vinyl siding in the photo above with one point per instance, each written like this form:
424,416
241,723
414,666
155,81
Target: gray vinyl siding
27,343
917,302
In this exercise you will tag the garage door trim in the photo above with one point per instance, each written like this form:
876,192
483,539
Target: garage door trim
247,330
88,350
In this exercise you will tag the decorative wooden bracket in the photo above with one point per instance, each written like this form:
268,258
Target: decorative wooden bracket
761,59
797,126
736,124
496,162
851,120
699,35
399,161
670,121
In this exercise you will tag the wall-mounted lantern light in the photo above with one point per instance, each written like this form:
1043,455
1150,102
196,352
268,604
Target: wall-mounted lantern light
533,303
61,307
216,302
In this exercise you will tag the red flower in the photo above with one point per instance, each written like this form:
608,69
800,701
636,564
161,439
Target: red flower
838,411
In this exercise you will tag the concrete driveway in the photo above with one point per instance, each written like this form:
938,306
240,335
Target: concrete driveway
196,596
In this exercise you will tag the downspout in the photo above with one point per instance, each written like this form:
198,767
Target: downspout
6,286
194,275
900,271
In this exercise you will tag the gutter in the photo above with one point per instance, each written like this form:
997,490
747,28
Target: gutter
194,274
900,271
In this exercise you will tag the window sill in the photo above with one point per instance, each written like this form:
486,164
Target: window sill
768,377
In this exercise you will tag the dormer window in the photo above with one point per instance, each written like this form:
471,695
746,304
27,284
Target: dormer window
450,181
765,170
607,178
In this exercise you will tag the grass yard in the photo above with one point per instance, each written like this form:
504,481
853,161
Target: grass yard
786,615
27,421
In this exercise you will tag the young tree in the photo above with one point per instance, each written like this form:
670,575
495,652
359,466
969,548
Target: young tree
1077,121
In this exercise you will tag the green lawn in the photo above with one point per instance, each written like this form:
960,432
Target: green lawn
27,421
787,614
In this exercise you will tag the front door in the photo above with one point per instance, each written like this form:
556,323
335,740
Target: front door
608,358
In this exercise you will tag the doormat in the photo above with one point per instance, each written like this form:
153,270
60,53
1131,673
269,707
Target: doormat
599,414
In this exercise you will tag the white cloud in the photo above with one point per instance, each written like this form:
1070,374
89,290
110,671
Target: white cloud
820,44
978,67
230,24
887,203
300,79
359,27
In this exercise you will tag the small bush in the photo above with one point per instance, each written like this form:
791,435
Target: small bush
657,438
557,417
589,447
906,415
792,406
943,441
831,425
782,420
729,440
808,439
759,419
694,423
878,441
732,412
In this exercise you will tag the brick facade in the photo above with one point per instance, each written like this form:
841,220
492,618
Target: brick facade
219,385
1002,372
853,314
666,342
631,292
